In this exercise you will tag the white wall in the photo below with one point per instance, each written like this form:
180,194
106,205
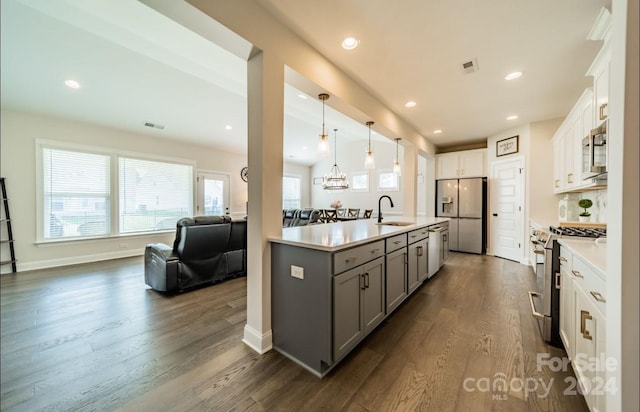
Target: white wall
304,173
19,131
542,203
351,159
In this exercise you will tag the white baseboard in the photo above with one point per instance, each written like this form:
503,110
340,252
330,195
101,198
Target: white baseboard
75,260
259,342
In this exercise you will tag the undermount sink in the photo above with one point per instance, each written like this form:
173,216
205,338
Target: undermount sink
395,223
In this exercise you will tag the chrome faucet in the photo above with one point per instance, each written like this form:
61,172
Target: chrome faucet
379,209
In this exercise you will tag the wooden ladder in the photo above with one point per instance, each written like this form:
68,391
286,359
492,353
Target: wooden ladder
7,220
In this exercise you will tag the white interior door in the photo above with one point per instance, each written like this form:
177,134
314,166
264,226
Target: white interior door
506,209
212,194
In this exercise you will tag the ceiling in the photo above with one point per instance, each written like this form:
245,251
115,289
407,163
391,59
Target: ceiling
135,66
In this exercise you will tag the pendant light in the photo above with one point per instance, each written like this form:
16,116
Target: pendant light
396,162
335,180
369,161
323,144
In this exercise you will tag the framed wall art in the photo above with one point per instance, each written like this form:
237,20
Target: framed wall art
507,146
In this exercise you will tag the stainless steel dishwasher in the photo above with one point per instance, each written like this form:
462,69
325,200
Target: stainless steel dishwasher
435,249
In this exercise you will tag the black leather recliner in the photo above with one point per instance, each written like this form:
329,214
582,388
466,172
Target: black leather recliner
300,217
207,249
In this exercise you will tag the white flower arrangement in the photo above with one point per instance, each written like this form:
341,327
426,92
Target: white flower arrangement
336,204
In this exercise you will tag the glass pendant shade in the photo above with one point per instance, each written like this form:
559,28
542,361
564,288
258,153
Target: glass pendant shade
396,162
323,144
369,161
335,179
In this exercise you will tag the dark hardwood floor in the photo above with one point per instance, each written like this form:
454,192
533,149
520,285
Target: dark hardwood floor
94,337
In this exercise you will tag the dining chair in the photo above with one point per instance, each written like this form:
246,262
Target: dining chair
353,213
342,212
367,213
332,215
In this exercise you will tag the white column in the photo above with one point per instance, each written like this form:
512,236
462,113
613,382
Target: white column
265,95
409,180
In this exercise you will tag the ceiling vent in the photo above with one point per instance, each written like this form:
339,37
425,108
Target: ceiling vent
470,66
153,125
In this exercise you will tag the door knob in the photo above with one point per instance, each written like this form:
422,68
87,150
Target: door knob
495,214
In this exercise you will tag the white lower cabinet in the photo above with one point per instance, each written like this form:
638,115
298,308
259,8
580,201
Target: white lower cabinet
583,328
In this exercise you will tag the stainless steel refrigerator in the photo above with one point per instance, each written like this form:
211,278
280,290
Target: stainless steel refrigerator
465,202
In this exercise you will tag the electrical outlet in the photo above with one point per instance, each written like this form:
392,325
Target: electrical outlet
297,272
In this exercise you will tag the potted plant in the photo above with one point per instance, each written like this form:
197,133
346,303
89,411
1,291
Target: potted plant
585,204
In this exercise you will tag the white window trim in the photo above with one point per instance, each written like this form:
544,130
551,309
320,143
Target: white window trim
387,189
363,172
114,154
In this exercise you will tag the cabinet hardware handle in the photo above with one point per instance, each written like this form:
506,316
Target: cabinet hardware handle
419,250
562,259
539,252
577,274
366,280
598,296
413,236
570,178
557,183
603,106
376,250
397,242
347,260
557,280
584,316
363,284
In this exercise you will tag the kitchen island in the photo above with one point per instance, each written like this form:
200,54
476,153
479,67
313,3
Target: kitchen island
332,284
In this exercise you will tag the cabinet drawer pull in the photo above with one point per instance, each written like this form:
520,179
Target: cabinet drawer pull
570,178
376,250
577,274
366,280
557,280
598,296
562,259
363,285
603,115
421,252
347,260
557,183
584,316
397,242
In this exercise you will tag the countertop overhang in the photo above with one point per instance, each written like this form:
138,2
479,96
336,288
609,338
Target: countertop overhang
592,253
332,237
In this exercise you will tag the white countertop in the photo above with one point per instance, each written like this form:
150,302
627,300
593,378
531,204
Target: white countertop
332,237
593,254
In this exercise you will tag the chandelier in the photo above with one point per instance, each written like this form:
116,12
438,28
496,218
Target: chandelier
335,180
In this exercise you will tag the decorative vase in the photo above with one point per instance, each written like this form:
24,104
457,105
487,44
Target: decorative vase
584,219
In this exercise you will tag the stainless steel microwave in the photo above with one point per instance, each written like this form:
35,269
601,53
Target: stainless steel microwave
595,153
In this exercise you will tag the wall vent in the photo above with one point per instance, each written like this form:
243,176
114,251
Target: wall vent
153,125
470,66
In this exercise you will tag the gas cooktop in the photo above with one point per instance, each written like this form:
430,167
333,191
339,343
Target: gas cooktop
578,231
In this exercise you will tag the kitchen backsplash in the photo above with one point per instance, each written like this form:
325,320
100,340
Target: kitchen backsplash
598,210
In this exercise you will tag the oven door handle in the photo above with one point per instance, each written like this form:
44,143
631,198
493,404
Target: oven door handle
534,312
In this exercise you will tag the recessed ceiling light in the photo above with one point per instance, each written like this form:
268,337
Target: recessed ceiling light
514,117
437,131
513,75
302,96
228,127
350,43
72,84
410,103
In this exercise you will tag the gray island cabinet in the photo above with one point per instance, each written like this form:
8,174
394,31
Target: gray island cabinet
332,284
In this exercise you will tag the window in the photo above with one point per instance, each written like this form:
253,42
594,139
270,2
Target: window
153,195
360,182
388,181
291,192
76,194
86,193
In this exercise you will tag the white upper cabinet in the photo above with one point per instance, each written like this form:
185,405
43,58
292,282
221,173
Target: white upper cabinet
466,163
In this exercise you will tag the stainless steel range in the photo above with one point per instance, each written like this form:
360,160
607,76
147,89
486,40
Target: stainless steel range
545,302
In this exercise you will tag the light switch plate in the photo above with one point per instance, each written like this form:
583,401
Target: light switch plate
297,272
